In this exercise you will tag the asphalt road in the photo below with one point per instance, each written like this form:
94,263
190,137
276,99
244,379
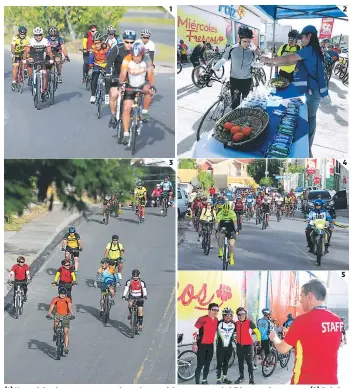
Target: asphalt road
98,354
282,246
70,128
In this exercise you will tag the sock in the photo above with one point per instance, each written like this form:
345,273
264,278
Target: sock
231,258
144,111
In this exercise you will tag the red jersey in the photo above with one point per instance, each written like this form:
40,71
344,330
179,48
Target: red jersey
196,203
243,333
212,191
156,193
207,329
20,271
238,205
259,200
313,334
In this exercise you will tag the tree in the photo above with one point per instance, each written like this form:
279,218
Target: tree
296,168
268,182
187,164
257,168
206,179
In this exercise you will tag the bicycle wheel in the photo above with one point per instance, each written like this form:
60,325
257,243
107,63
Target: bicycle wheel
20,78
342,72
107,217
58,344
212,115
187,362
179,67
269,364
106,308
337,68
219,73
17,306
345,79
51,92
37,95
197,76
284,359
263,77
21,306
99,103
133,130
207,243
133,323
120,123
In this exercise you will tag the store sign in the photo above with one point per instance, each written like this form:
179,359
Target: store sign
326,28
234,12
316,180
311,166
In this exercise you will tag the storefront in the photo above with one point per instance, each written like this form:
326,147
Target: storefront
215,24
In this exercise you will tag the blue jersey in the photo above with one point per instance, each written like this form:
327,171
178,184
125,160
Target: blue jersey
108,279
166,186
322,214
250,199
263,326
288,323
56,44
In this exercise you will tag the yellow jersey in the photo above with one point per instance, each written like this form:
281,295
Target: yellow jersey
208,215
114,251
139,193
20,44
288,50
72,241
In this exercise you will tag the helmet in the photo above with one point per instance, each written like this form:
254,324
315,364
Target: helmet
135,273
38,31
53,31
64,261
115,237
129,34
238,197
138,48
240,309
204,197
20,259
309,30
145,32
140,183
266,311
245,32
208,46
111,30
227,311
97,37
226,207
318,202
294,34
62,290
22,30
209,202
290,316
71,229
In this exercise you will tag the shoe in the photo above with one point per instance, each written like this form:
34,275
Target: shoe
219,382
113,122
54,338
129,316
92,100
144,117
231,259
251,382
24,298
13,86
112,302
310,250
161,211
25,73
66,350
59,79
239,380
226,381
103,220
205,382
84,79
254,367
119,276
125,140
101,313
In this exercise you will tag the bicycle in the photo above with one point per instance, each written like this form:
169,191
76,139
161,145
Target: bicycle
179,67
39,94
239,218
258,76
100,92
139,213
134,327
87,77
258,215
60,336
107,217
107,304
164,204
19,296
265,221
19,77
216,110
270,361
206,236
225,258
202,75
279,215
186,360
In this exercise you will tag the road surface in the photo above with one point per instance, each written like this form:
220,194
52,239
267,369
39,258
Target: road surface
282,246
98,354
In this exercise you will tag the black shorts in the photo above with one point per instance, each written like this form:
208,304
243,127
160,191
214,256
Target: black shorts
195,61
229,229
130,95
17,59
265,346
239,212
139,301
74,250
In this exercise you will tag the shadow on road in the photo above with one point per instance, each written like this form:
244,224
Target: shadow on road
43,306
51,271
340,92
186,91
128,220
334,110
66,96
44,347
89,282
95,220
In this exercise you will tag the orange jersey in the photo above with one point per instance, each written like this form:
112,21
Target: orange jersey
99,57
61,305
110,269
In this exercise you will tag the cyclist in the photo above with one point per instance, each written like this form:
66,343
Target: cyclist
18,45
87,44
208,214
220,202
279,202
319,212
20,275
241,57
156,194
265,209
106,205
97,61
287,49
135,290
58,46
265,326
212,190
65,277
289,321
167,187
148,43
107,276
37,49
226,218
72,243
197,206
203,341
140,198
198,54
63,309
114,62
137,71
111,38
224,350
249,201
244,347
114,251
239,208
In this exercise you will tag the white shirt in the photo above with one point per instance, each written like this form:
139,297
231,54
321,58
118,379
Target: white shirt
149,46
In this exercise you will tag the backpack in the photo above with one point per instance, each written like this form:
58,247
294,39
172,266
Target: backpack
119,248
284,49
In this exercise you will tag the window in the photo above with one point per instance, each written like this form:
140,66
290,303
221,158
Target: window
179,195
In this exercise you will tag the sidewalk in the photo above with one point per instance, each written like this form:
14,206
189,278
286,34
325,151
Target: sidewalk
331,139
34,237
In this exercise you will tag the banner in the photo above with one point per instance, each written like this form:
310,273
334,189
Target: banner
195,25
311,166
256,34
326,28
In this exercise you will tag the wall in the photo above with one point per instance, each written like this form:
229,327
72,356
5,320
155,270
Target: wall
186,176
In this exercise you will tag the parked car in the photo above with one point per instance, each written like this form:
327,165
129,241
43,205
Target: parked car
187,187
340,199
182,202
298,192
313,195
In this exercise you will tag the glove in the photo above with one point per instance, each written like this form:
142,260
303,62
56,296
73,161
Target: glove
194,348
123,297
95,284
48,316
51,61
63,249
145,297
67,59
29,281
81,249
54,283
74,283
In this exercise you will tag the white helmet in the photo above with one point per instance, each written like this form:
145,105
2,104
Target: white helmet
38,31
146,32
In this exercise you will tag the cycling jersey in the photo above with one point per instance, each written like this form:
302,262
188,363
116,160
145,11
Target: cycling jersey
108,277
207,215
20,272
212,191
114,251
65,275
265,207
149,46
135,288
288,323
98,57
139,193
87,41
111,42
156,193
313,215
61,305
37,50
225,333
322,337
239,206
230,216
137,72
72,241
20,44
166,186
243,334
207,327
264,326
115,59
56,44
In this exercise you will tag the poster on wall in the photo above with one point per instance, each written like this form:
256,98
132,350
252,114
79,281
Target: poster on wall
326,28
256,34
195,26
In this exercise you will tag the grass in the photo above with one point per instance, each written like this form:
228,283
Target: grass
164,53
16,223
149,21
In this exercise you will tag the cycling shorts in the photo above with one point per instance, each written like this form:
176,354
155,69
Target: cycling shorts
229,229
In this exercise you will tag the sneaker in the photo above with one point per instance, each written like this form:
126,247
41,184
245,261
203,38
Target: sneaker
205,382
219,382
254,367
92,100
144,117
226,381
59,79
125,138
13,86
113,122
251,382
84,79
24,298
161,211
112,302
239,380
103,220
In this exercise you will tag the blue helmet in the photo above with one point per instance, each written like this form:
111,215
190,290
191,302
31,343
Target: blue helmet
138,48
309,30
72,229
266,311
318,202
129,34
290,316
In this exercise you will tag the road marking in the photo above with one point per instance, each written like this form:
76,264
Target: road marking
141,369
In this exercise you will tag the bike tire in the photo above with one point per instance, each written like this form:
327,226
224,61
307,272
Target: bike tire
207,245
191,358
133,130
179,67
59,345
21,84
119,123
51,93
38,91
132,324
17,307
284,359
212,119
199,85
337,68
270,359
263,76
107,218
106,309
99,104
21,307
319,250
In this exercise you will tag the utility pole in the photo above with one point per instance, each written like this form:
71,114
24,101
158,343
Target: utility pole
266,172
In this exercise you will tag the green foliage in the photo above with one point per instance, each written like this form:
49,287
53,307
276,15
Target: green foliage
187,164
296,169
206,179
72,179
257,168
266,181
72,21
152,175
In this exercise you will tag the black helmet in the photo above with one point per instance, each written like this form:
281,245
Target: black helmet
245,32
64,261
62,290
294,34
135,273
53,31
208,46
111,30
290,316
22,30
115,237
20,259
266,311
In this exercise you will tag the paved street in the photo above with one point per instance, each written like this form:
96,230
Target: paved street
332,120
282,246
98,354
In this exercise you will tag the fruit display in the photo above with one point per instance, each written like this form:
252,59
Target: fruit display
240,133
279,83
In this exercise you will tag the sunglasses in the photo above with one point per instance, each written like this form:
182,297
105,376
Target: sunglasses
145,37
93,31
129,42
241,314
66,265
216,310
38,34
